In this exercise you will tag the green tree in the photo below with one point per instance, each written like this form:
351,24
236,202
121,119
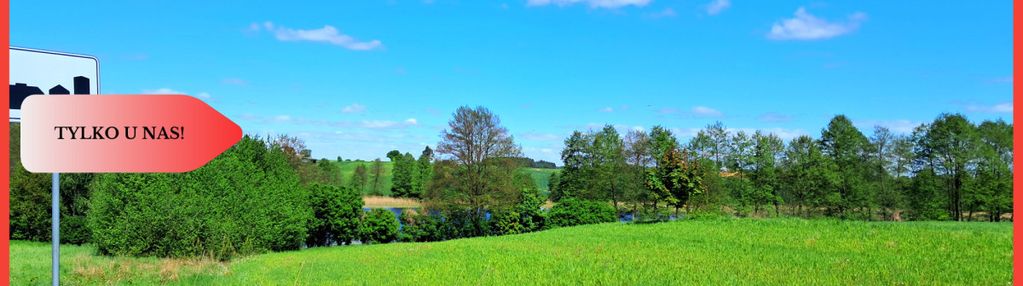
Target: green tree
377,170
330,173
848,148
807,175
766,151
337,212
481,149
425,168
638,159
575,172
379,226
404,175
993,187
884,161
719,143
951,146
608,156
360,178
675,179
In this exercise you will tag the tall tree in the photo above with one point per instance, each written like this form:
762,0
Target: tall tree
847,147
404,175
638,158
807,175
884,161
675,179
575,173
952,142
609,164
425,168
994,169
360,178
767,149
377,170
330,173
718,135
480,146
740,154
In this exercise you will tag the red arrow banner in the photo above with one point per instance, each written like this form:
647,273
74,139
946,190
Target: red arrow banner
121,133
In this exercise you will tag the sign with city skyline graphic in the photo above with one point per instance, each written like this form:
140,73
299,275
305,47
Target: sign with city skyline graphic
41,72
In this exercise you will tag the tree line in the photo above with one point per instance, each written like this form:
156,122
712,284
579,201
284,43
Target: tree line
948,169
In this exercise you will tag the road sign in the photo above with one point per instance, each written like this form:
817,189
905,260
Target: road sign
38,72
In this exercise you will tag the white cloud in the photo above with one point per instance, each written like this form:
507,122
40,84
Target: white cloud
328,34
607,109
354,108
717,6
808,27
997,108
609,4
706,111
411,121
282,118
203,95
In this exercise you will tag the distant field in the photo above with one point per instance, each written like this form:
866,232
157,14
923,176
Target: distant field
740,251
348,168
540,176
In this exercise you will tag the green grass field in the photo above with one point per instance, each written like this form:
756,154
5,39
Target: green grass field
540,176
740,251
348,168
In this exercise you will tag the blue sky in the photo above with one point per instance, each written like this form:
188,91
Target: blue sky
359,78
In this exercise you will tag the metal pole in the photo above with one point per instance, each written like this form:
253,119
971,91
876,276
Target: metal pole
55,222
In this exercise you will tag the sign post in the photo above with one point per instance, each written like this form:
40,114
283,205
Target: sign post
32,71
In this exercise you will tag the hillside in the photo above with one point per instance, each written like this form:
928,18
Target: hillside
737,251
540,176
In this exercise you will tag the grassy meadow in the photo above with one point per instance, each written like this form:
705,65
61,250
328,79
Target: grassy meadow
728,251
540,176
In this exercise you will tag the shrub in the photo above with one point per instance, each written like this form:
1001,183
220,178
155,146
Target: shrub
247,200
507,222
379,226
420,227
569,212
336,215
30,200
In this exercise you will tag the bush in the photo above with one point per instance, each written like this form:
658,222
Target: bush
247,200
569,212
336,215
30,200
507,222
379,226
420,227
